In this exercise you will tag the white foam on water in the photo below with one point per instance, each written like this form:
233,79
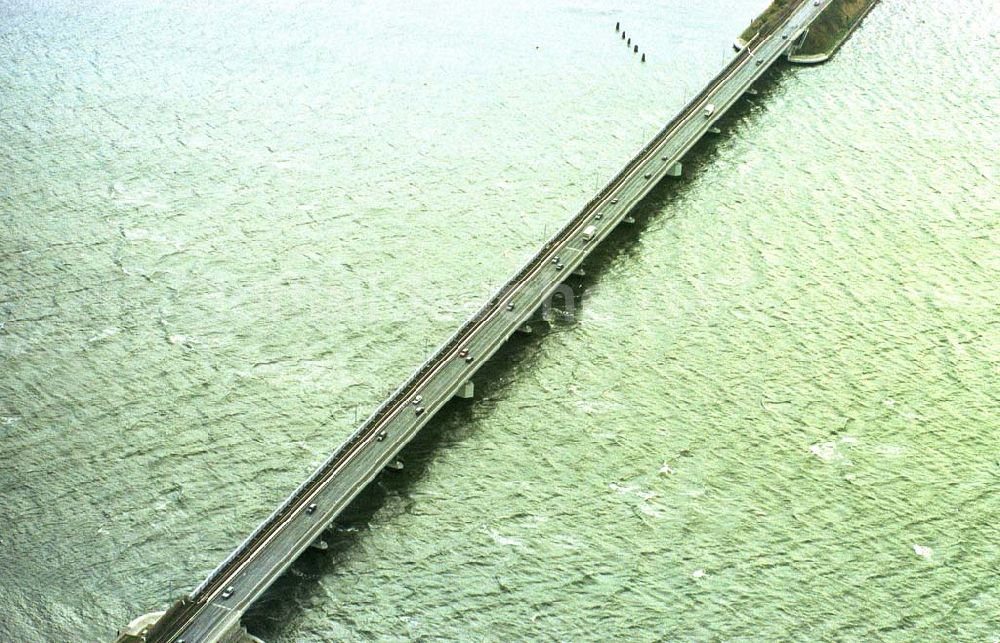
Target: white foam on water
825,451
500,539
104,334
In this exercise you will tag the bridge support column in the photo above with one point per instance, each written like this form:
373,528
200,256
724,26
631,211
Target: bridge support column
239,635
676,169
795,46
467,391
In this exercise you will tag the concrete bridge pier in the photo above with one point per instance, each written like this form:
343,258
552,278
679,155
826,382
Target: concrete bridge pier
797,44
240,635
676,169
467,391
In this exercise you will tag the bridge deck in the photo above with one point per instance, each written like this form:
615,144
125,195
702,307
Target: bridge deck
215,607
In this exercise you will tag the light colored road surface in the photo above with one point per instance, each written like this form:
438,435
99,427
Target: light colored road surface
214,609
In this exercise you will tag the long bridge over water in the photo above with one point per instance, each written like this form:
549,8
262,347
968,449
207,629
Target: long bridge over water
212,612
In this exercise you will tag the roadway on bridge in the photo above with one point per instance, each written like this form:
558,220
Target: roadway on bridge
215,607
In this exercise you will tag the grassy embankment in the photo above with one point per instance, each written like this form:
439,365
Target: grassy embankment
757,23
825,35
